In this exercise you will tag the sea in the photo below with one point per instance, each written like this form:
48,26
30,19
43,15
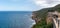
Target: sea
16,19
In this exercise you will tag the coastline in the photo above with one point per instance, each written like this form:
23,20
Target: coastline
33,23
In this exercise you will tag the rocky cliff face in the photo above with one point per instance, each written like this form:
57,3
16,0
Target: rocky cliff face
34,17
42,15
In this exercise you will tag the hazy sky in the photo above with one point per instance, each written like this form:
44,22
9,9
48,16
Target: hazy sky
26,5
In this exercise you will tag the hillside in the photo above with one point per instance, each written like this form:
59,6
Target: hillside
42,14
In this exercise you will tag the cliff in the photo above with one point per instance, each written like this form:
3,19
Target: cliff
40,17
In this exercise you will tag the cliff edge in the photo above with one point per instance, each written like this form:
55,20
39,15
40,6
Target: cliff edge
40,17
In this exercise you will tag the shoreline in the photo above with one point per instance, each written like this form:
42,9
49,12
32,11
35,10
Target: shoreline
33,23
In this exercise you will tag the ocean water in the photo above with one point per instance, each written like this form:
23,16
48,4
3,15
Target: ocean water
15,19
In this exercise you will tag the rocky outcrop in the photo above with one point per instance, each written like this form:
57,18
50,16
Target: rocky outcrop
42,15
34,17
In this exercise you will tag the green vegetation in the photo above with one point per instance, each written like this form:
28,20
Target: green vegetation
43,14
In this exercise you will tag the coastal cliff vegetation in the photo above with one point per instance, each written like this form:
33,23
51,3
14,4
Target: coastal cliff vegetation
41,15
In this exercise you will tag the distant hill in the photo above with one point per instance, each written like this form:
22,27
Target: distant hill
42,14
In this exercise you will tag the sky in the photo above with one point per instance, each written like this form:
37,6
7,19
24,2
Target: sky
26,5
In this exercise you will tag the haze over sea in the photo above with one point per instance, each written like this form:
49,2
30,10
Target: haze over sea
15,19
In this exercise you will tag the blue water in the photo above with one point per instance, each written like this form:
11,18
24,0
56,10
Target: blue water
15,19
